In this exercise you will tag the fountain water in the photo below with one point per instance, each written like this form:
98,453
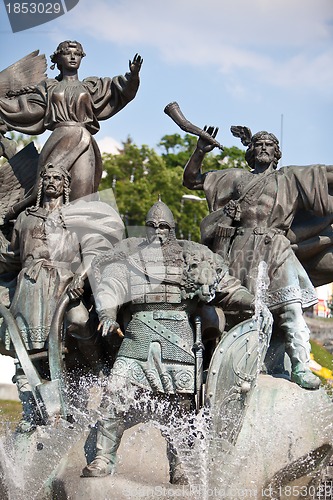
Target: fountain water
263,453
29,461
48,463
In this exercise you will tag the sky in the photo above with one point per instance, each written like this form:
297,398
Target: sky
265,64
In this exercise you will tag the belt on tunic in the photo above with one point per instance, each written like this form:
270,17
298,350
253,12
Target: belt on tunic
149,318
32,268
69,124
269,232
260,230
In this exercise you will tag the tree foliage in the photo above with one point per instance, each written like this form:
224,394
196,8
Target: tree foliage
18,141
140,175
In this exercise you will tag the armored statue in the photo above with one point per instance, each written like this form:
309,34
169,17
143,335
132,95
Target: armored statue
251,214
55,243
71,109
162,281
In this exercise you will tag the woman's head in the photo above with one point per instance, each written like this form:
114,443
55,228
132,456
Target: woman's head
67,56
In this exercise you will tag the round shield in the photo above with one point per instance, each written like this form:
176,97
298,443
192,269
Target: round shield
231,378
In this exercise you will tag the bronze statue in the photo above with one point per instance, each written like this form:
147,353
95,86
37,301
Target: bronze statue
70,108
55,256
251,213
162,281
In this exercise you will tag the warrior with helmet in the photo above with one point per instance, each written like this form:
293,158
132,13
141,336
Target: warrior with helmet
162,281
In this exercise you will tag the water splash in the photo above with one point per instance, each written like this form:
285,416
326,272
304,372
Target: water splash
12,478
29,461
190,436
186,431
27,472
261,310
262,285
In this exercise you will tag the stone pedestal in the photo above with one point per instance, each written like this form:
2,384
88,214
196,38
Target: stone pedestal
286,442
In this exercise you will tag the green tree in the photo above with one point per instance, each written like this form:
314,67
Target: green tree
139,175
16,141
176,151
21,140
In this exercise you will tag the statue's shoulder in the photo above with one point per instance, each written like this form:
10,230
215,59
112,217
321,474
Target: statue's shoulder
126,248
302,172
21,218
217,174
90,80
120,252
227,177
46,84
94,81
229,172
301,168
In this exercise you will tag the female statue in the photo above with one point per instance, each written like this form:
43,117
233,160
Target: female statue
71,109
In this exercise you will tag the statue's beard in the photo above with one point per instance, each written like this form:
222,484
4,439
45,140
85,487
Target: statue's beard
263,159
158,241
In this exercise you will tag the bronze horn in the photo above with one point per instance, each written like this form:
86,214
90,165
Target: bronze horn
173,110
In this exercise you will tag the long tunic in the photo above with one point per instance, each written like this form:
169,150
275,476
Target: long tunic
51,247
265,206
46,256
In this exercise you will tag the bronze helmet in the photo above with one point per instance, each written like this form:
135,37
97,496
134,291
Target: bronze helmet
160,212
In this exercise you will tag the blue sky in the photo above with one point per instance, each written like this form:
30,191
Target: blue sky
226,62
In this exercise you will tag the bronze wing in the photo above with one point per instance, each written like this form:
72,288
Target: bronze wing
26,72
17,177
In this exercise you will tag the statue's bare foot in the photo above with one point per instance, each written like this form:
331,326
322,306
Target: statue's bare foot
99,467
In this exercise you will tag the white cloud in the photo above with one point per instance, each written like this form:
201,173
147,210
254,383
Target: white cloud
109,145
281,42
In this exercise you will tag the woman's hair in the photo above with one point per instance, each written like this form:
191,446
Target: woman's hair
62,49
